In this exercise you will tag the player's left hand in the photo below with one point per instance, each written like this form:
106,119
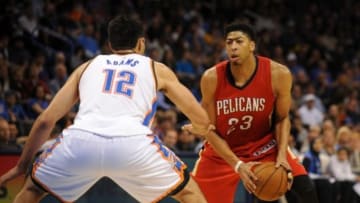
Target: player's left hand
10,175
282,162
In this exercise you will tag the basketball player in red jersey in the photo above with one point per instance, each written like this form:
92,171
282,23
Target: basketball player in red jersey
248,99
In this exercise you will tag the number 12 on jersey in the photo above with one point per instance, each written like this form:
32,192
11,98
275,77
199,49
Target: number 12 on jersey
119,82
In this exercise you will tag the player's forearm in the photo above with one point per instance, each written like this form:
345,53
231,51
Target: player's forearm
222,148
39,133
282,130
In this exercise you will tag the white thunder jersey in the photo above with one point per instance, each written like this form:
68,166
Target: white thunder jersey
117,96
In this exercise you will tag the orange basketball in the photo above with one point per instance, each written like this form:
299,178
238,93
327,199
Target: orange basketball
272,182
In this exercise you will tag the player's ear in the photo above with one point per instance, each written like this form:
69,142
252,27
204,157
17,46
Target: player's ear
140,45
252,46
110,47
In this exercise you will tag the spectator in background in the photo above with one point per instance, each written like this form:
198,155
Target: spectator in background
163,123
60,58
328,124
12,109
170,139
14,132
329,141
302,79
32,79
340,89
169,58
320,70
87,40
352,109
186,141
333,114
343,137
311,90
17,82
78,57
355,153
5,145
297,95
314,132
37,103
293,64
184,67
309,114
340,169
60,78
314,166
299,132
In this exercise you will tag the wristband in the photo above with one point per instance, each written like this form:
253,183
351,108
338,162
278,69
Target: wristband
237,165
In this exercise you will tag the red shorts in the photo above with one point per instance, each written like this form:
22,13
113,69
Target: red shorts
218,180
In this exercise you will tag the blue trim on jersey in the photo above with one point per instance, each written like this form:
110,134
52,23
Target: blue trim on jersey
170,155
151,114
41,158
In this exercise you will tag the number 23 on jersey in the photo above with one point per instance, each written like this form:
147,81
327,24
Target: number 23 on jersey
244,122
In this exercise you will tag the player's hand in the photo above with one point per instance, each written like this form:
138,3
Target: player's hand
10,175
247,176
202,132
282,162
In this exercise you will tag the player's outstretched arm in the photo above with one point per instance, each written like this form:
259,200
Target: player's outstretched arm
41,129
181,96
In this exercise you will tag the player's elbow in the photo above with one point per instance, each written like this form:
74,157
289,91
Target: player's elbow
45,120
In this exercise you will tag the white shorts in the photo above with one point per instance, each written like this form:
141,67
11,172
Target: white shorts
141,165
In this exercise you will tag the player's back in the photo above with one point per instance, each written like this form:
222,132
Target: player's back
117,95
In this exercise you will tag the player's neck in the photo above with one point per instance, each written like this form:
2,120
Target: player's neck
242,72
124,52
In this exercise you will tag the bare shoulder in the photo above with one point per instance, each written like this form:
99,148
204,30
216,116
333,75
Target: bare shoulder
208,83
280,73
160,67
279,70
281,78
210,75
163,75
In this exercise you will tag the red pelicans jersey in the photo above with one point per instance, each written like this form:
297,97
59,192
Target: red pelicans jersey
244,114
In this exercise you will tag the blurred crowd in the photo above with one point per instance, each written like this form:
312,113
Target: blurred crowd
42,42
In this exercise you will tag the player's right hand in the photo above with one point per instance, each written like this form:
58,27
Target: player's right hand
198,131
10,175
247,176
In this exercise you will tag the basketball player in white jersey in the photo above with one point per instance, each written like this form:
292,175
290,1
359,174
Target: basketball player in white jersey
111,136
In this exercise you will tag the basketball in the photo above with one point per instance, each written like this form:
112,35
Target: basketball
271,183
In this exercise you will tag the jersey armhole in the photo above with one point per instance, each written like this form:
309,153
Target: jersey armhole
82,72
154,75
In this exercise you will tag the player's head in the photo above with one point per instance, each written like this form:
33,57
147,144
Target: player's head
239,41
125,33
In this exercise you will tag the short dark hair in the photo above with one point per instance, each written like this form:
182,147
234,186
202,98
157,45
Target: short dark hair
243,27
123,32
